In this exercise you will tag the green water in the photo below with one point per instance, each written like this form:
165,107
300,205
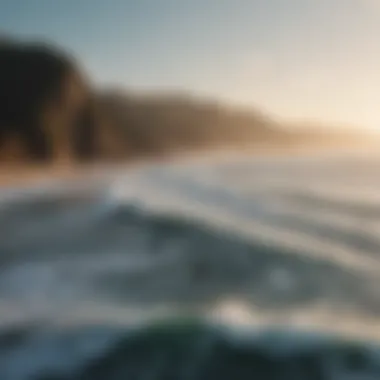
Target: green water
192,350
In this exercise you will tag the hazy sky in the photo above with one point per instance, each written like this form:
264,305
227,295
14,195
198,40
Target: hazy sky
305,59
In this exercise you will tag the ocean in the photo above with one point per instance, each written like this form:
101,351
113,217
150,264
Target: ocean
216,268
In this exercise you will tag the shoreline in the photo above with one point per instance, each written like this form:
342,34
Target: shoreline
24,175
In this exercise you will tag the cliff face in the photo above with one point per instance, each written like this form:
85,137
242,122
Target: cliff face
160,124
45,105
49,112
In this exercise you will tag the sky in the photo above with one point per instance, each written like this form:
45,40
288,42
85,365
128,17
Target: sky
304,60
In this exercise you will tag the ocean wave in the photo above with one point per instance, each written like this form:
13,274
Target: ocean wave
130,257
258,244
183,349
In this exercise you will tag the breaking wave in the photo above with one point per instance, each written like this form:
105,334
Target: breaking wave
280,246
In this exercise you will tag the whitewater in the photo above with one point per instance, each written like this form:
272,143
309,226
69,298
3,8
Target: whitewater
244,241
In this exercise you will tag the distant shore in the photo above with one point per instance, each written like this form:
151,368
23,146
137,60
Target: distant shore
19,175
